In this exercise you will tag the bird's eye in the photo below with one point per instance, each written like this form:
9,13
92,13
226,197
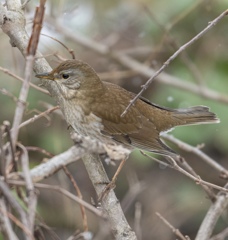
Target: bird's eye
65,76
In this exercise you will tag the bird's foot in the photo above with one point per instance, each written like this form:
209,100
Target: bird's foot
111,185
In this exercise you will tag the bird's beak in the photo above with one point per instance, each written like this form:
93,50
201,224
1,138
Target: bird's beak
47,75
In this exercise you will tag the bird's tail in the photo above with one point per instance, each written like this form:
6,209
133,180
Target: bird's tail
194,115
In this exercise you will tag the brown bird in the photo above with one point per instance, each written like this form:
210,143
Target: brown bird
94,107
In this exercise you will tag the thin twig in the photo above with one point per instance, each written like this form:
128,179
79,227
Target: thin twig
30,57
174,230
186,147
189,169
41,150
22,80
221,236
7,227
32,198
197,180
117,220
9,94
71,51
212,216
2,153
173,43
13,202
11,147
36,29
64,192
77,189
134,190
14,219
181,49
136,66
36,117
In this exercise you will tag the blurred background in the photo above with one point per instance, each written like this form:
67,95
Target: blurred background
149,31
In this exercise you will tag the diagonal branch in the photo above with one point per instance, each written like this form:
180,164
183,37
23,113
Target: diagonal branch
30,56
17,207
212,216
181,49
7,227
204,157
135,65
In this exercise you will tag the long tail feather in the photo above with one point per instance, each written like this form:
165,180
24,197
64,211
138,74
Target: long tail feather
194,115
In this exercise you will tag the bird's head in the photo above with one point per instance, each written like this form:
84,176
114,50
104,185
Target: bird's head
72,77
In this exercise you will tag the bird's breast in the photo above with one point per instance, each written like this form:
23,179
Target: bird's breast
84,124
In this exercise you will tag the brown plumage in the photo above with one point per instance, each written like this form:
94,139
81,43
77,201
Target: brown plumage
94,108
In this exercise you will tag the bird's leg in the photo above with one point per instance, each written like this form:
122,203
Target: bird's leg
111,185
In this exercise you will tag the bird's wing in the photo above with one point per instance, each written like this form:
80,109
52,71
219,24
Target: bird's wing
133,128
109,109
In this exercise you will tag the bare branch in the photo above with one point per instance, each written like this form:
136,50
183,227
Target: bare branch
181,49
30,56
22,80
13,202
77,189
71,51
173,43
32,198
110,203
137,66
36,117
174,230
221,236
186,147
83,146
11,18
212,216
41,150
9,94
197,180
7,227
37,25
64,192
47,169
